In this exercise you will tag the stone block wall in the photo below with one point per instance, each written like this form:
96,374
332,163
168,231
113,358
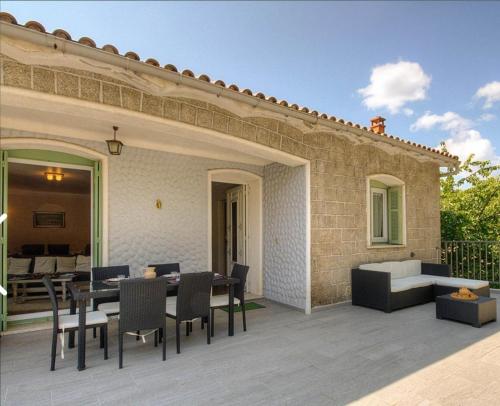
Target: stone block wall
339,168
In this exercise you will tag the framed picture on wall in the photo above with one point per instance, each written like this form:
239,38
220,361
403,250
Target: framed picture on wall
49,219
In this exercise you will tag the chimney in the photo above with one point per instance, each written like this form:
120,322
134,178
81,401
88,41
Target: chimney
378,125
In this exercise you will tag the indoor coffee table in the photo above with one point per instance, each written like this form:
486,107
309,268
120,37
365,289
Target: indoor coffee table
473,312
25,286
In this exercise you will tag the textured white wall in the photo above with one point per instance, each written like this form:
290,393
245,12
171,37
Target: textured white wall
139,233
285,215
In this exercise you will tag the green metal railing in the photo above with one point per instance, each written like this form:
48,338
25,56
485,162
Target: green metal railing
473,260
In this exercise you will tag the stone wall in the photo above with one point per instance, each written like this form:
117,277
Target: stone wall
339,168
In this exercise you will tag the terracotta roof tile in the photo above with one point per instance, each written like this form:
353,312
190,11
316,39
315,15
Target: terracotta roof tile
152,61
188,73
110,48
36,26
170,67
204,77
87,41
132,55
62,34
8,18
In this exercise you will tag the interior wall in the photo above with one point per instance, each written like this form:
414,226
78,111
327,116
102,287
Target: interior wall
285,228
23,202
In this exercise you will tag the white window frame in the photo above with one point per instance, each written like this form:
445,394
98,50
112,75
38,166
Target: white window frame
389,181
385,237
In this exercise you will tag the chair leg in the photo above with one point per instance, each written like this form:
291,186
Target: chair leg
178,336
208,329
187,328
156,338
53,351
94,334
105,337
212,322
120,350
190,326
160,334
137,338
244,316
101,337
164,344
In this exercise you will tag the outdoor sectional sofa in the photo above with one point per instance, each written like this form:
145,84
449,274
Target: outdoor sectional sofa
391,285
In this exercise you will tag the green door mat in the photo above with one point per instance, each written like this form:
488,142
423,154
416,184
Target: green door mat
248,306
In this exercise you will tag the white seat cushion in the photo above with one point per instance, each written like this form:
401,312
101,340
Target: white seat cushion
222,300
411,282
460,282
109,308
71,320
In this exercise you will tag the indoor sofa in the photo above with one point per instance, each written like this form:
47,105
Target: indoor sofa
394,285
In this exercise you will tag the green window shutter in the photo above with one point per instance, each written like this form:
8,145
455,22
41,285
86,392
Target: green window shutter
395,215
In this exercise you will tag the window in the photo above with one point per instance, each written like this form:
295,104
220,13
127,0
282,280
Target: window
386,211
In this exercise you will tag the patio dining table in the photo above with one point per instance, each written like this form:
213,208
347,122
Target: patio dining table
103,289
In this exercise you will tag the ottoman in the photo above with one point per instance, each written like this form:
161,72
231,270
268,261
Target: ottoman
473,312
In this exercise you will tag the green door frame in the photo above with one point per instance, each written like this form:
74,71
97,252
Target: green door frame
58,158
3,235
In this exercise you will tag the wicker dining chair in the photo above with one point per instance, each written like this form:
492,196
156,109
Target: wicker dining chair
108,305
217,302
192,302
165,269
142,307
69,322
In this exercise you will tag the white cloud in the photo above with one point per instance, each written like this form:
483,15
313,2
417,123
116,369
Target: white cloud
463,139
393,85
487,117
408,112
490,92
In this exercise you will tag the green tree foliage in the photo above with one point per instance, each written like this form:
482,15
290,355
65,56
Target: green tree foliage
470,202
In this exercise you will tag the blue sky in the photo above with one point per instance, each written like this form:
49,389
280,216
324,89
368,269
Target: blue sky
431,68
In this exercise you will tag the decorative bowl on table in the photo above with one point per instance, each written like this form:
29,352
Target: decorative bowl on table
464,294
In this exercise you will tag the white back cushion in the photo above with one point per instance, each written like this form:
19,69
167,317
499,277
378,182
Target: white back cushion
413,267
82,263
397,269
66,264
17,266
45,265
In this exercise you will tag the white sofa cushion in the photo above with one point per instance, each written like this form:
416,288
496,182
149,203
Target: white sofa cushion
397,269
18,266
413,267
82,263
45,265
65,264
460,282
410,282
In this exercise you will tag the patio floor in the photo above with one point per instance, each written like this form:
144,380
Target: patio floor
333,357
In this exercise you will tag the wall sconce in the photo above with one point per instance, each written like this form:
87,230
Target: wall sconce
114,146
158,204
50,176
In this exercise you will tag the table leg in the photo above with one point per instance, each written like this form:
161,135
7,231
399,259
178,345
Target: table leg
81,334
63,285
72,310
14,292
231,311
